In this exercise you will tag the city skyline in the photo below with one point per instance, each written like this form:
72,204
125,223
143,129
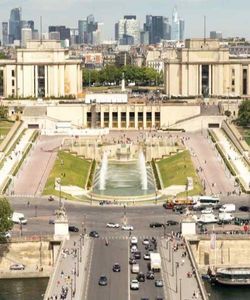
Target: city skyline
192,11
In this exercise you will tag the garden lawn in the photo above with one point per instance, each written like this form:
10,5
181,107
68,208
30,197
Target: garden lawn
175,169
72,170
5,127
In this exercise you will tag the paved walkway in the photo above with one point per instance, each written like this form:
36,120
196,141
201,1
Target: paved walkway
214,177
234,156
70,273
175,270
14,157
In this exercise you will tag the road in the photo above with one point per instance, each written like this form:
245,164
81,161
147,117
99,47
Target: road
103,259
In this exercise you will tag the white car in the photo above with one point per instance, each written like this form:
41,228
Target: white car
133,240
127,227
6,235
146,256
145,242
134,284
113,225
207,210
133,249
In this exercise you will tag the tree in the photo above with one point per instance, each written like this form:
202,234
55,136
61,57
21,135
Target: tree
5,216
3,112
2,55
244,114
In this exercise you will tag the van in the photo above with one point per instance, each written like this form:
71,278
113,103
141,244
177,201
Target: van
18,218
135,269
226,217
227,208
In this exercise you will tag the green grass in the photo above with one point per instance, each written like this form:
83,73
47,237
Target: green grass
246,134
175,169
5,127
71,169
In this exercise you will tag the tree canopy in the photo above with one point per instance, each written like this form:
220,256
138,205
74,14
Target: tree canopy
113,74
2,55
244,114
5,215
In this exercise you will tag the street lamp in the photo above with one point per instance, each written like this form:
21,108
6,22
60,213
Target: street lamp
180,290
78,258
74,280
176,276
172,261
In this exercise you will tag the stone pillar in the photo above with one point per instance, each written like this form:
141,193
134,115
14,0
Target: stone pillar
102,118
84,116
119,117
210,79
46,80
144,117
36,81
127,117
61,226
136,117
110,117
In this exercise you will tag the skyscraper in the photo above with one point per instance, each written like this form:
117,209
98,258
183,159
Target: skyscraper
15,25
178,25
26,35
82,31
5,40
128,30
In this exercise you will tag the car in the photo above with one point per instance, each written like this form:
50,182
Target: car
127,227
137,255
140,277
17,267
150,275
103,280
94,234
171,223
179,209
244,208
5,235
133,249
207,210
159,298
146,256
112,225
73,228
51,198
169,205
159,283
150,247
116,267
156,224
132,261
134,284
133,240
51,221
145,242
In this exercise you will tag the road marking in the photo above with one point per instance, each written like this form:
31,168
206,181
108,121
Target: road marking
128,270
88,269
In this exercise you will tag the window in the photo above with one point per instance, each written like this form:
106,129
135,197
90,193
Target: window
13,73
233,72
233,82
13,82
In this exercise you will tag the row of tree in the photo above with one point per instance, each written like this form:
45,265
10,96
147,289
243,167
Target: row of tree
244,114
6,223
113,75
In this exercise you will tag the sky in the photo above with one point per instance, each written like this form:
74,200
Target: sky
229,16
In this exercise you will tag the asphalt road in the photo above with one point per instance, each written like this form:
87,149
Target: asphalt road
102,262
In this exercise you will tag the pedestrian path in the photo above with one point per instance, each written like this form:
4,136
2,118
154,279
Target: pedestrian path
177,271
235,158
69,276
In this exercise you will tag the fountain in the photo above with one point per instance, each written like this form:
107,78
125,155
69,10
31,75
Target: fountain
103,172
143,171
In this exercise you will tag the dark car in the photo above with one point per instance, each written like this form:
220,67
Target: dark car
94,234
150,275
179,209
137,255
156,224
140,277
244,208
50,198
172,223
73,228
132,261
116,267
103,280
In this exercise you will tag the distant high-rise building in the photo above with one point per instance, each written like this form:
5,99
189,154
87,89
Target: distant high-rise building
166,29
26,35
178,25
31,25
54,35
128,30
5,33
15,25
216,35
82,31
64,32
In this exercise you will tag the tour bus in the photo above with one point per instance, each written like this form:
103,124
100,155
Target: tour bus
204,201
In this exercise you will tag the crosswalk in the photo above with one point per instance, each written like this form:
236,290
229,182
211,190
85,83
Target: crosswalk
141,238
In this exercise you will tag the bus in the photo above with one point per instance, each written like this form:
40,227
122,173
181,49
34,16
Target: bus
204,201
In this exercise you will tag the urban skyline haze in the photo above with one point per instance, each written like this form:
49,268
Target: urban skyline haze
228,16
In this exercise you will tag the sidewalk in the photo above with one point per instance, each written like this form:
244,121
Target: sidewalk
177,272
69,276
